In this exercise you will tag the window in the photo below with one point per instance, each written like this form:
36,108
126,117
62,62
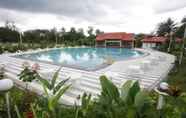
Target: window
113,43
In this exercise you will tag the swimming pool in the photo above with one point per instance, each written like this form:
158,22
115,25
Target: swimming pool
83,58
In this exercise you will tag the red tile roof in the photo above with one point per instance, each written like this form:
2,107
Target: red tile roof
115,36
156,39
178,40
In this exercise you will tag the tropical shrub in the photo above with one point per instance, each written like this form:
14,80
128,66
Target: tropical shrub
54,90
127,101
86,110
28,75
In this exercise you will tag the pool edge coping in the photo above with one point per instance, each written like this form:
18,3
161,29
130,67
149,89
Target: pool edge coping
97,68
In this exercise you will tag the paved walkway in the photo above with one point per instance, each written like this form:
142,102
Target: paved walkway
89,81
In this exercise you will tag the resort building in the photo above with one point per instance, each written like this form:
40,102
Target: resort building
116,39
155,42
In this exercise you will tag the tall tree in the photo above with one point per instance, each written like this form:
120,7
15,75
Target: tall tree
90,30
138,40
61,35
182,52
180,30
97,32
63,30
166,27
9,32
10,25
91,36
54,35
183,20
71,36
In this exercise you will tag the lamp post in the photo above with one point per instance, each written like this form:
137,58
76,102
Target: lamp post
162,87
5,85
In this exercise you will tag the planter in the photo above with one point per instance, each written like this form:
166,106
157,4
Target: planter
29,115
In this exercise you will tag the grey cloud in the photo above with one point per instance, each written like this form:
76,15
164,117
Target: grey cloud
95,11
164,6
11,16
72,8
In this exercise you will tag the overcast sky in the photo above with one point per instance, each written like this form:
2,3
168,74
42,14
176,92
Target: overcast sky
136,16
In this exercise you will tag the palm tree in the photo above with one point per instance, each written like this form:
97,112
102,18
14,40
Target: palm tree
166,27
183,42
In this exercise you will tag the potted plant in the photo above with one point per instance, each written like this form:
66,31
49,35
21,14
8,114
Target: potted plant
29,74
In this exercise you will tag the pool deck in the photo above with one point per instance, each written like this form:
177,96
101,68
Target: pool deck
89,82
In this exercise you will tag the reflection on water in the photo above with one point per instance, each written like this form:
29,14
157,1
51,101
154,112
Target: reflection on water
87,58
44,58
65,58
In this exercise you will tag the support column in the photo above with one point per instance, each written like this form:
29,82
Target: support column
105,43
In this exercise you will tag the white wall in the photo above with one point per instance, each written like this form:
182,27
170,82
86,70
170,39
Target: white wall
149,45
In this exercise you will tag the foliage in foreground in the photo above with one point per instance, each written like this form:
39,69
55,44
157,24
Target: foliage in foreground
127,101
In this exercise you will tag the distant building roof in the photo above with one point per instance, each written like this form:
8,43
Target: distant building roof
178,40
115,36
156,39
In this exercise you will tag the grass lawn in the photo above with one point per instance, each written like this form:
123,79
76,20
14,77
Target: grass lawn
178,77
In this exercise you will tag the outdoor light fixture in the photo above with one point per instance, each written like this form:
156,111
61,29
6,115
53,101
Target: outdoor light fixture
5,85
161,91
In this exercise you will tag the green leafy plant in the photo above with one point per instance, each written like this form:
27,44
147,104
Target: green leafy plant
129,101
54,90
84,110
28,75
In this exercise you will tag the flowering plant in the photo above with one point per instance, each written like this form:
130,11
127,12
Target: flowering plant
35,67
29,73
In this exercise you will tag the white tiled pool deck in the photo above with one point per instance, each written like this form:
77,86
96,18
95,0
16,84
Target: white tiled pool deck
89,82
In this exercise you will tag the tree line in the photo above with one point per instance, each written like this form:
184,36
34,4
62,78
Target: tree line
74,36
10,33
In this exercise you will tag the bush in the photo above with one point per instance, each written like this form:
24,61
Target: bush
127,101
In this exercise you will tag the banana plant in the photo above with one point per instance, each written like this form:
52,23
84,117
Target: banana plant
129,100
85,108
53,91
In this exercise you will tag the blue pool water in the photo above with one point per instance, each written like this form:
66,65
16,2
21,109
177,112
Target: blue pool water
83,58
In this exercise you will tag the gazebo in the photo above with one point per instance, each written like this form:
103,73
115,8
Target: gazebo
115,39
